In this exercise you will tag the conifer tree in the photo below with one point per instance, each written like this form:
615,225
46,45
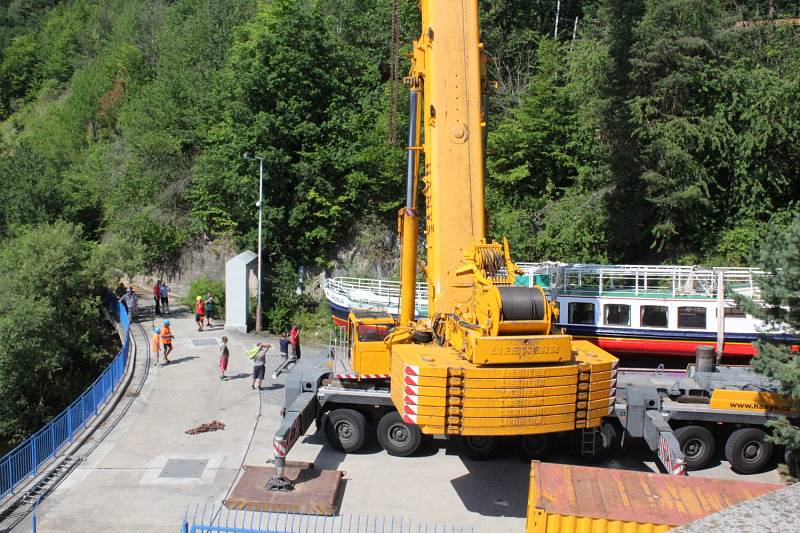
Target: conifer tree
779,257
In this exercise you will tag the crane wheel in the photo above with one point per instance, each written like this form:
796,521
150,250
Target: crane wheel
346,429
397,437
748,451
534,446
479,448
697,444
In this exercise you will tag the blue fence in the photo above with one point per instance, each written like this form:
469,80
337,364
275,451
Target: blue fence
218,519
25,460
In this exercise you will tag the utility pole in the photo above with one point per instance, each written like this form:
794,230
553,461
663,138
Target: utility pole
260,205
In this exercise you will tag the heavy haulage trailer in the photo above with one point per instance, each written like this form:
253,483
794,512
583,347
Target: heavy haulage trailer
682,415
489,362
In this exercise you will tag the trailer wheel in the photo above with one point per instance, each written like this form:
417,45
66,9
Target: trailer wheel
397,437
697,444
748,451
534,446
345,429
479,448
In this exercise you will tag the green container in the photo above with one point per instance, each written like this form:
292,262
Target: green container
542,280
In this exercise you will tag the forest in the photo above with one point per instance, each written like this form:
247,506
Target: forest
647,131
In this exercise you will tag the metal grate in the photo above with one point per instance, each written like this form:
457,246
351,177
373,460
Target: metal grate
184,468
212,519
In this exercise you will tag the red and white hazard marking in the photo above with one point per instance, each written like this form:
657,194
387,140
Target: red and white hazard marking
280,448
409,418
362,376
665,455
412,380
412,370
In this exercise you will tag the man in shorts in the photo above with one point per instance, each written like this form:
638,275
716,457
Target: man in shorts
211,306
164,297
199,312
259,365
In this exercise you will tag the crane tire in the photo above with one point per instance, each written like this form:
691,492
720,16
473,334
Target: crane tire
697,444
346,429
397,437
479,448
748,451
535,446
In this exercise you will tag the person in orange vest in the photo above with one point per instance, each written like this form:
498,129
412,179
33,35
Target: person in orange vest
199,312
166,340
155,345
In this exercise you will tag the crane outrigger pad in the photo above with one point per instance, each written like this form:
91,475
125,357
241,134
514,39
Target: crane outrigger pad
315,490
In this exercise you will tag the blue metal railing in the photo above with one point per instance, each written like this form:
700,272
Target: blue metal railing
25,460
218,519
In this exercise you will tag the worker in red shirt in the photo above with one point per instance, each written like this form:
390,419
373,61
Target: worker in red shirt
157,296
294,338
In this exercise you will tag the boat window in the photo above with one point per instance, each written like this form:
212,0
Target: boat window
617,314
372,332
734,312
581,313
692,317
654,316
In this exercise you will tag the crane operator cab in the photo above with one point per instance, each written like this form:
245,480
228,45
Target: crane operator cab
366,331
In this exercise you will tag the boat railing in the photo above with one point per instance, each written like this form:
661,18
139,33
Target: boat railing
383,289
643,280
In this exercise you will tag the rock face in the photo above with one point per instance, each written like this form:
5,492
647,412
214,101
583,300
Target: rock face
372,252
204,260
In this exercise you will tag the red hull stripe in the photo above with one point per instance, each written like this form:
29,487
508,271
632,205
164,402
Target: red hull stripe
666,347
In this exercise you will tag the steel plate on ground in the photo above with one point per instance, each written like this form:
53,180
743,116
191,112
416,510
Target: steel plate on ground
315,491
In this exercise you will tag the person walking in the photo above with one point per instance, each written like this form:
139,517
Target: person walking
211,306
283,343
259,364
133,301
224,355
157,296
166,340
199,312
294,338
164,291
155,345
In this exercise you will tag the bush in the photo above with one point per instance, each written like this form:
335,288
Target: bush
200,286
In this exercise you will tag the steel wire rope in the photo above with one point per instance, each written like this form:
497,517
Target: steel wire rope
244,456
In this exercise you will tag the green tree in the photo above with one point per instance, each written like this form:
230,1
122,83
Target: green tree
53,336
779,257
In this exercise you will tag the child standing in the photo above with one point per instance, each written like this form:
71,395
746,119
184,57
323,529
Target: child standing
166,340
155,345
224,354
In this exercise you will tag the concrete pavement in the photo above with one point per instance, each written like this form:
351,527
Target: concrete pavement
147,471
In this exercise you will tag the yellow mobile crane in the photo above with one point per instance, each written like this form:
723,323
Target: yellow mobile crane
488,362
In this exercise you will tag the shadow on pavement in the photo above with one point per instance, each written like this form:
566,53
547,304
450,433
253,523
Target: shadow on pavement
240,375
182,360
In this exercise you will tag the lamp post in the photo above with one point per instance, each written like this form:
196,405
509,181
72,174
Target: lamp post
260,205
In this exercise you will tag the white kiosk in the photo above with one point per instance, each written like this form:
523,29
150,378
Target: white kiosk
237,290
